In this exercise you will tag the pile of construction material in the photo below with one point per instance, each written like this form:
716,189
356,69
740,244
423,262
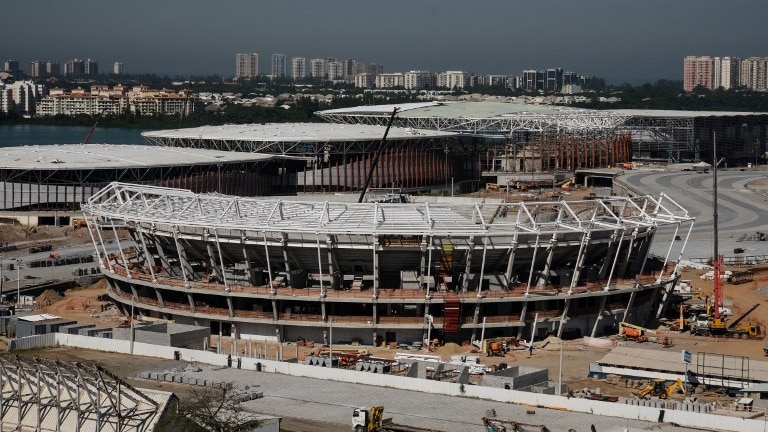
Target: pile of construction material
48,297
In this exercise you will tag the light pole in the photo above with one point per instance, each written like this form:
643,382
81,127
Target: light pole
18,282
560,371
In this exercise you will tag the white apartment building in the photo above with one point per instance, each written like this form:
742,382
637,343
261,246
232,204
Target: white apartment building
726,71
390,80
20,97
363,80
754,73
298,68
318,68
454,79
278,65
117,68
246,65
417,80
335,70
86,104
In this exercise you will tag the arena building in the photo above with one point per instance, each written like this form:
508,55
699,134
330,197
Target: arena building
431,267
323,157
46,184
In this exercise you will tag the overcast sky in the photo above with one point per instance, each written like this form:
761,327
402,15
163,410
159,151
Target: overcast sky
620,40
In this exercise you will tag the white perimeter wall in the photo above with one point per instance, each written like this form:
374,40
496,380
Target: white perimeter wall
681,418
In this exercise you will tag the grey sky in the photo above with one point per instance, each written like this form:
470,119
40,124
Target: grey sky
634,41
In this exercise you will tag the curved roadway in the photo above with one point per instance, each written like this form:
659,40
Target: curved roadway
741,212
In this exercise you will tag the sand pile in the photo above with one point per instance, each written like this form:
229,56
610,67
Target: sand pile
48,297
451,348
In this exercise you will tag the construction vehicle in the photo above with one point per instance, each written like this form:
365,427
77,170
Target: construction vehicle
79,223
368,419
633,332
659,388
372,420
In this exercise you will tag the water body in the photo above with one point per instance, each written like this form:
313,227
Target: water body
20,135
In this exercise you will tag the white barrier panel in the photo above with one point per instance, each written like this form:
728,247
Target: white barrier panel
682,418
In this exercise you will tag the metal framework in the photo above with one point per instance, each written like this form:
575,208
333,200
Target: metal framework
564,121
50,395
270,262
182,207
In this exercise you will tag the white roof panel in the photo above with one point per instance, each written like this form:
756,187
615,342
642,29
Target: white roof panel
294,132
101,156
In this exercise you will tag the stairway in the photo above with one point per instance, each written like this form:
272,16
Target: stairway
451,315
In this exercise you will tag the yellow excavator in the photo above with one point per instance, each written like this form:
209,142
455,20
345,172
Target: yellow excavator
659,388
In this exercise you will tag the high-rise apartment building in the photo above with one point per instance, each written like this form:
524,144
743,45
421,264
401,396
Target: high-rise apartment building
335,70
91,67
74,68
12,67
37,69
389,80
726,72
528,80
374,69
417,80
454,79
117,68
298,68
20,97
554,81
363,80
698,71
754,73
246,65
318,68
278,65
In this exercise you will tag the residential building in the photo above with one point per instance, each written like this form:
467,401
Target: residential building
246,65
116,100
278,65
454,80
37,69
374,69
554,81
91,67
352,68
298,68
12,67
725,72
528,80
335,70
318,68
389,80
117,68
363,80
698,71
417,80
20,97
74,68
754,73
498,81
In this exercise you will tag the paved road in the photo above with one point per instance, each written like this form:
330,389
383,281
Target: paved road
740,211
333,402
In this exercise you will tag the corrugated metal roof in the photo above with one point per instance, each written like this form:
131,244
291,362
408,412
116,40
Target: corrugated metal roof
106,156
39,317
669,361
464,109
684,114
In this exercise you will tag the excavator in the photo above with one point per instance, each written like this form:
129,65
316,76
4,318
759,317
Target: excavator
659,388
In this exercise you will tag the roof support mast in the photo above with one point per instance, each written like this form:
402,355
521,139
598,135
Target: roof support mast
375,160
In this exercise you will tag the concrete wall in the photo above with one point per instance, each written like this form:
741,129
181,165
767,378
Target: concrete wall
652,414
516,378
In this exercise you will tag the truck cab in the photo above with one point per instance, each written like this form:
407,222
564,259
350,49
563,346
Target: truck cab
367,419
